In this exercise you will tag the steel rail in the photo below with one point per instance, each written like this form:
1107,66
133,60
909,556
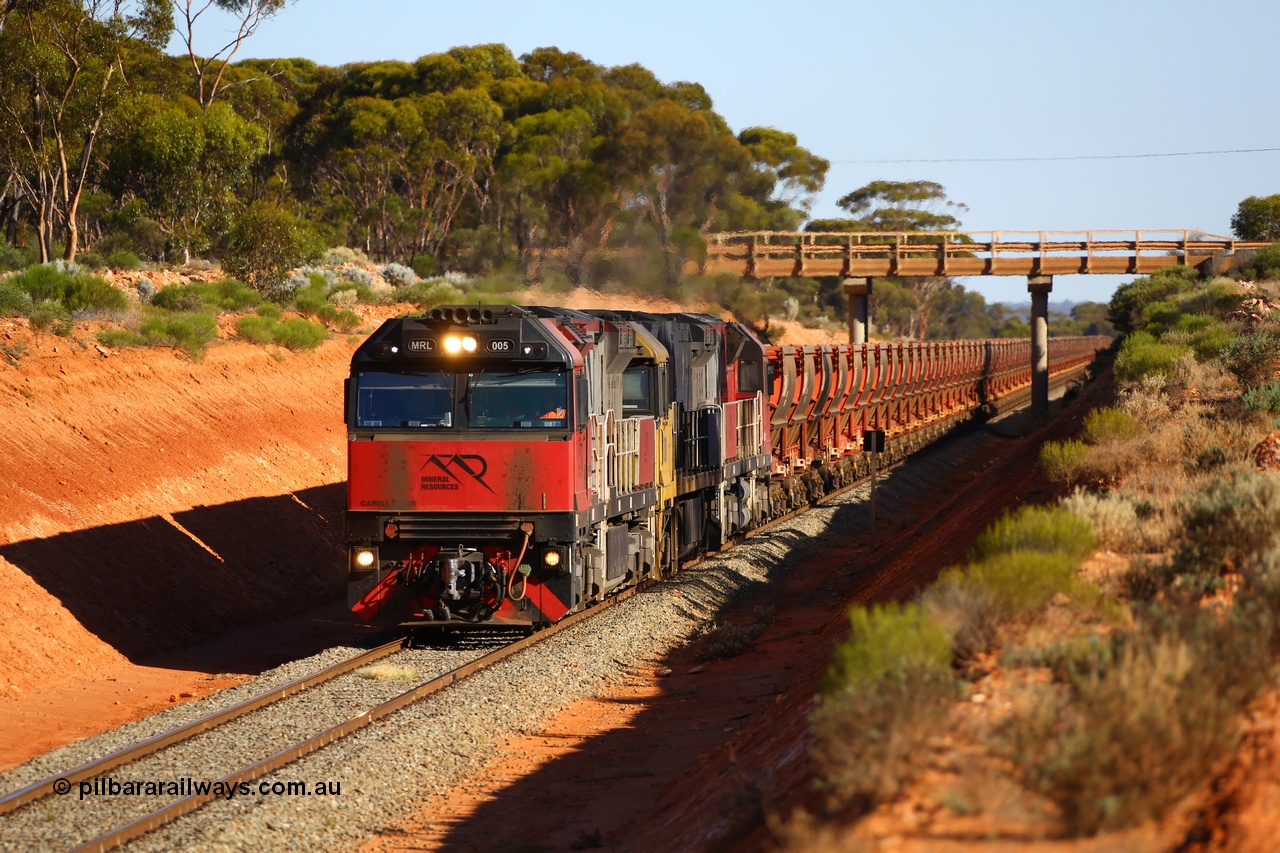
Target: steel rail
89,769
178,808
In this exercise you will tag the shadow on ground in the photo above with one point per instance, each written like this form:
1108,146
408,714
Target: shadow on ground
151,586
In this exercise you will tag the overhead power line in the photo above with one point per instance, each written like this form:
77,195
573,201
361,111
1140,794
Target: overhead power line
1061,159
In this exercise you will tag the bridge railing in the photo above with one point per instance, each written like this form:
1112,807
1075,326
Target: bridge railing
756,254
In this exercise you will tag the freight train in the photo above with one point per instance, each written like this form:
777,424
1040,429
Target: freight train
510,465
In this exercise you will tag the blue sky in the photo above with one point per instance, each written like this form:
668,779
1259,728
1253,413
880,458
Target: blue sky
923,80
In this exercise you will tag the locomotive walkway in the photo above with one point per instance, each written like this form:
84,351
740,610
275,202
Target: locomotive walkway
857,257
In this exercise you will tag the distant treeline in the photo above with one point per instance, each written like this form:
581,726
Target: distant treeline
473,157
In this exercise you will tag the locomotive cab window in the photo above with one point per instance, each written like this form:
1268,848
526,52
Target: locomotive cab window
637,391
403,401
515,400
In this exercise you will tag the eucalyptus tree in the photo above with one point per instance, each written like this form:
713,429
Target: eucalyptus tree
210,70
62,85
186,164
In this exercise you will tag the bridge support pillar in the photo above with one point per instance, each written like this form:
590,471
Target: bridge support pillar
1039,286
859,292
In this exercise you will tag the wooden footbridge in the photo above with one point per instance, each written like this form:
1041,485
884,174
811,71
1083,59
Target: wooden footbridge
757,254
858,257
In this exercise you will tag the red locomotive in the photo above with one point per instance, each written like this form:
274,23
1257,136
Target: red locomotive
510,465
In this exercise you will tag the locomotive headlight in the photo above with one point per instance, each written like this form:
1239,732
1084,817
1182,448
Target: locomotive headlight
365,558
453,345
551,558
469,344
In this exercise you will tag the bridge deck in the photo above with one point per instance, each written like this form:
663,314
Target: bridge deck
770,253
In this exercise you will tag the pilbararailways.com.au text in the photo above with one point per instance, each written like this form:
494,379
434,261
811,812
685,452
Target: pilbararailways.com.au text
186,787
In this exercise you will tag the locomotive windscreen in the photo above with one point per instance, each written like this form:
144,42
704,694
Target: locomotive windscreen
400,400
522,399
485,399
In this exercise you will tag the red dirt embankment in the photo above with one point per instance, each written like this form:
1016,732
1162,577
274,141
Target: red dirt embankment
150,503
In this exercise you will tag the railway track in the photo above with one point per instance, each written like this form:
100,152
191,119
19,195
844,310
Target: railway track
134,828
69,780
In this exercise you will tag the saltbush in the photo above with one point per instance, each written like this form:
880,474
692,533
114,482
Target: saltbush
1264,398
14,301
1232,521
145,289
1252,358
399,275
1144,723
359,275
345,255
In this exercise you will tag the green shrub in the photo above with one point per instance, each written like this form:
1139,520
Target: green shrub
1264,398
1046,529
123,260
258,330
297,333
181,297
1130,300
1252,358
1208,342
267,241
92,261
88,293
424,266
347,321
119,338
1106,425
1064,461
887,637
269,310
189,332
309,301
233,295
1141,355
14,301
1022,581
75,291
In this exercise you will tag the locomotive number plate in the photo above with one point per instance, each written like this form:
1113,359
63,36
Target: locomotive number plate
500,345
